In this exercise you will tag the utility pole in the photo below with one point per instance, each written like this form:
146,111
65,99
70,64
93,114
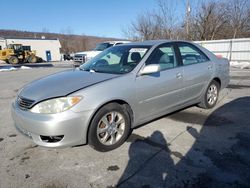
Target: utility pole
188,10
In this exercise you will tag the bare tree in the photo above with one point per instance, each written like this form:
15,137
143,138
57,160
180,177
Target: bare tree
211,20
142,28
66,42
239,16
159,24
166,18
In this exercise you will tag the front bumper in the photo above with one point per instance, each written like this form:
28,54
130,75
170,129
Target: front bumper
72,125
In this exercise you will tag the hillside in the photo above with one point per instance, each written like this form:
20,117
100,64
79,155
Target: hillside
70,43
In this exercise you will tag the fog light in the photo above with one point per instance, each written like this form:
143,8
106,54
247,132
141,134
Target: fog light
51,139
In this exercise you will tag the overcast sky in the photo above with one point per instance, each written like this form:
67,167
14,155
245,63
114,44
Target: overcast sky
91,17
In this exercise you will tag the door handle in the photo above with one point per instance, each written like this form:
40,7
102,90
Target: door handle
209,67
179,75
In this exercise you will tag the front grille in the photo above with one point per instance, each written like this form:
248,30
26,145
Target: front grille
79,58
24,104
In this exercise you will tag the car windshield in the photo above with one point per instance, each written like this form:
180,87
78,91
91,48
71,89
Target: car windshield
116,60
102,46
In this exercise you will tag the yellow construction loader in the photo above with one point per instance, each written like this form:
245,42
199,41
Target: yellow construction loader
14,54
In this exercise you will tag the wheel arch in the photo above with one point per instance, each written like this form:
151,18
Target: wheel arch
121,102
218,80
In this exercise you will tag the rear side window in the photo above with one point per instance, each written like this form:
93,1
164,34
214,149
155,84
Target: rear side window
191,54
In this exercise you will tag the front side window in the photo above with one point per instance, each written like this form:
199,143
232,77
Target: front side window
116,60
191,55
15,47
164,56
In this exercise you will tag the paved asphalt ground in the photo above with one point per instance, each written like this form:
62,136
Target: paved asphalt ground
189,148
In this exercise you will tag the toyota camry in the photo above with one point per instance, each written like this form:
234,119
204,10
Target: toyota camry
125,86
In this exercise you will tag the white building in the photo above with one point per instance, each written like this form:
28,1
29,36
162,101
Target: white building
47,49
2,43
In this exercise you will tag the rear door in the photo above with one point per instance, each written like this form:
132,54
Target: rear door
197,71
159,91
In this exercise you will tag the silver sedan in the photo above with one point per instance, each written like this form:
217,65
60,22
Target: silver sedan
123,87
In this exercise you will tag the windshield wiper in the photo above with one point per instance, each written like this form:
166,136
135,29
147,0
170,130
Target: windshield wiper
88,70
92,70
81,68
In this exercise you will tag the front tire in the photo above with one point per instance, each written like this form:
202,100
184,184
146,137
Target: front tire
211,96
109,128
32,59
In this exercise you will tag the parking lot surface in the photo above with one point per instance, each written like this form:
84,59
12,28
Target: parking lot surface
190,148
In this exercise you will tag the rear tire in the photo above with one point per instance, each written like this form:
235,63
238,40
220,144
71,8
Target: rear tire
13,60
211,95
109,128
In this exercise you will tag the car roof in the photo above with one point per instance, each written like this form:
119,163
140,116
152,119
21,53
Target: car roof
154,42
117,41
146,43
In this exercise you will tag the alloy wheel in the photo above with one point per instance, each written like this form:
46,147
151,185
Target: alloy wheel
212,94
111,128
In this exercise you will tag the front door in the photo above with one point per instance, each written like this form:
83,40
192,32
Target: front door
159,91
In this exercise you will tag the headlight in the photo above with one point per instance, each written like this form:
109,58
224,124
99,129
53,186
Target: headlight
57,105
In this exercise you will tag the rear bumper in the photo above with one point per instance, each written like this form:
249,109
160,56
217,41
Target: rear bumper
225,82
73,126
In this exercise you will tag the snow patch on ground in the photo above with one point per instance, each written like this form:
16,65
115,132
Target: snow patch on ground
6,69
241,65
24,67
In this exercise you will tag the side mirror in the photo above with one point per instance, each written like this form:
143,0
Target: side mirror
149,69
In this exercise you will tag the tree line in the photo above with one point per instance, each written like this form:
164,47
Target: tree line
70,43
207,20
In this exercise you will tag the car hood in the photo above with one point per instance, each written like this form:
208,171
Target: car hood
62,84
89,53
